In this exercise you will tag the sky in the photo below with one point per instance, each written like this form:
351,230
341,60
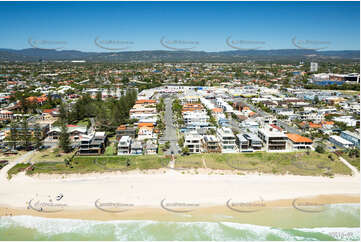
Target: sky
199,26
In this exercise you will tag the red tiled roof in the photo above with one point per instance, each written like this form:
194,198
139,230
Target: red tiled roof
298,138
276,127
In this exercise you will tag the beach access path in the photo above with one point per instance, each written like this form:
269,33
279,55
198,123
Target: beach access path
22,159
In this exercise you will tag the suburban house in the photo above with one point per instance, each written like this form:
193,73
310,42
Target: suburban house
6,115
75,133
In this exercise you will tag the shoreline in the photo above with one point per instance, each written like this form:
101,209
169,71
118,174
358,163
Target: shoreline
201,213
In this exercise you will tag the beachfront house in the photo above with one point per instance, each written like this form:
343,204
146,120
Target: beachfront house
124,145
273,138
193,142
211,144
299,142
136,148
227,140
151,147
92,144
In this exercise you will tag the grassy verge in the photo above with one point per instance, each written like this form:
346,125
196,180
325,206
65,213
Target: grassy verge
17,168
50,155
160,149
110,149
88,164
3,164
85,122
353,161
11,157
297,163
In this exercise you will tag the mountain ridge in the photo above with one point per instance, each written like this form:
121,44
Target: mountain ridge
35,54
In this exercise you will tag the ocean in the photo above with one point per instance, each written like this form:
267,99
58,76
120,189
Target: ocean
338,222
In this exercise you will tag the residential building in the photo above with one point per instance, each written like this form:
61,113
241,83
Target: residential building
136,148
125,130
313,67
197,119
299,142
227,140
354,138
193,142
242,143
341,142
273,138
93,144
211,144
254,142
151,147
124,145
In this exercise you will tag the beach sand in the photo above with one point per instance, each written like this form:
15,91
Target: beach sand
169,195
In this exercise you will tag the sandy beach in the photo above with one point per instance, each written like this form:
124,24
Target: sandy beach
136,194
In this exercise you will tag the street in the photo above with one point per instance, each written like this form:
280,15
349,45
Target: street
170,133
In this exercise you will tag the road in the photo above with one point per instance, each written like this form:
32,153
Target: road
170,133
22,159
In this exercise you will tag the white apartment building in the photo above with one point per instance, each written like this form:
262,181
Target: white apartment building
339,141
196,119
313,67
272,138
348,120
124,145
227,140
193,142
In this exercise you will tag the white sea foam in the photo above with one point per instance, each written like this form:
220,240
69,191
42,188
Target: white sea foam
154,230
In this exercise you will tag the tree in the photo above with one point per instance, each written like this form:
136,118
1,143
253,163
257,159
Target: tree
64,141
25,134
63,114
320,149
181,142
13,137
37,136
185,150
316,100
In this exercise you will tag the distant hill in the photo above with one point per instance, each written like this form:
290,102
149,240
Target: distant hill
34,54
